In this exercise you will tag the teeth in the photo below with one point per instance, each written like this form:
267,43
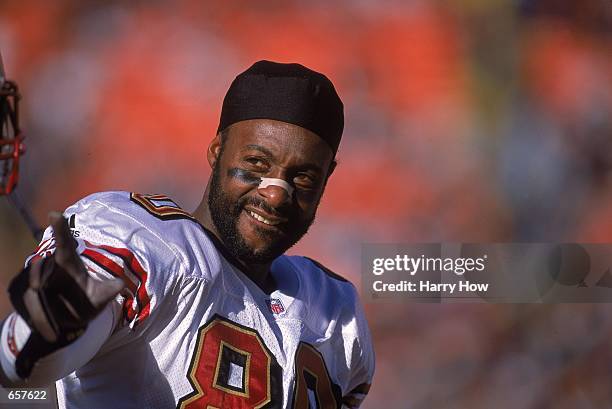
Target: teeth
261,219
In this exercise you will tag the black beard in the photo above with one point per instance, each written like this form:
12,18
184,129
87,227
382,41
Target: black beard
224,213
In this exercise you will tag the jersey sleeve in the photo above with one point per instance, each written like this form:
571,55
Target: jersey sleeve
362,362
114,241
15,333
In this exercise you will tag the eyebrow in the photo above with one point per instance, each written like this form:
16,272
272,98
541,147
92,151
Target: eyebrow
259,148
306,166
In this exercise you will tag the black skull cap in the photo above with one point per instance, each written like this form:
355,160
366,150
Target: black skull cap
289,93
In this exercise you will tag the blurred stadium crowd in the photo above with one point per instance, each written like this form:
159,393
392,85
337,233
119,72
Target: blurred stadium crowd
466,121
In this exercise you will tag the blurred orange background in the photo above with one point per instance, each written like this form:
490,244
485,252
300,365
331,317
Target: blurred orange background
466,120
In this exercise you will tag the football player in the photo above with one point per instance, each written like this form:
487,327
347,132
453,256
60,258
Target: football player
132,302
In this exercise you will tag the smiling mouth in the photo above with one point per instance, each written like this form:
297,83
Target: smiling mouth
263,219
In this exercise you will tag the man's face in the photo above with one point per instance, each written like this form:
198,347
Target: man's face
258,225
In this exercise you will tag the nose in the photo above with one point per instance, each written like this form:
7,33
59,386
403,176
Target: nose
276,196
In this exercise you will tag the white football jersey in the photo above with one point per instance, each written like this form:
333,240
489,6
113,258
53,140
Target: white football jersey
193,331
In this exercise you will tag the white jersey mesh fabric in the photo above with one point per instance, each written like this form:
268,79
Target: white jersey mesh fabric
194,331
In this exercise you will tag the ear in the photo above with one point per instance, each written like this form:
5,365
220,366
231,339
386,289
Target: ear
214,150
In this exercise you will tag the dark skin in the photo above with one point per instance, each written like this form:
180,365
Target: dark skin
253,149
272,149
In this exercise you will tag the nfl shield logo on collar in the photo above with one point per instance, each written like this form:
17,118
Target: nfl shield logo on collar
275,305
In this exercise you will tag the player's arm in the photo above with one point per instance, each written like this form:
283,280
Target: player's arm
58,324
58,364
362,362
361,380
4,380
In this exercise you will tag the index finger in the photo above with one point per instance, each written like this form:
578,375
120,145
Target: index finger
61,232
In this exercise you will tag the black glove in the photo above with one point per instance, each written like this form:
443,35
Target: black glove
57,298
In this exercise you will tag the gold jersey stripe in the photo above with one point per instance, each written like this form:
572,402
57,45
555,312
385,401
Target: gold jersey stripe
163,212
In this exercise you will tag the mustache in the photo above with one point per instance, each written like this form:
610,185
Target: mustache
285,212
